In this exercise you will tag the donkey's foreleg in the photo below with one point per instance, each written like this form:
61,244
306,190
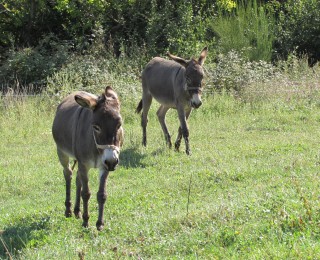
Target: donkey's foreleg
68,176
178,140
102,197
183,129
161,113
67,172
76,210
85,194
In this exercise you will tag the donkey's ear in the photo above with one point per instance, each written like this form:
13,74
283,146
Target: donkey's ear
181,61
203,55
86,100
110,93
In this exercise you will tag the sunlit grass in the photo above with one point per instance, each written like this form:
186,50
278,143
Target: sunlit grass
250,189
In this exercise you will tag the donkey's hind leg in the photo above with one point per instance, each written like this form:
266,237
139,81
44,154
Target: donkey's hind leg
161,113
146,103
67,172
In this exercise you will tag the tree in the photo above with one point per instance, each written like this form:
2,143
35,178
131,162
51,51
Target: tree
299,29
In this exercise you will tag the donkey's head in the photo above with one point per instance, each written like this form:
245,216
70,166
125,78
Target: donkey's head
106,124
193,76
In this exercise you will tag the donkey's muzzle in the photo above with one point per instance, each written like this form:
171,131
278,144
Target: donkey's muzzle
110,158
195,101
111,166
196,105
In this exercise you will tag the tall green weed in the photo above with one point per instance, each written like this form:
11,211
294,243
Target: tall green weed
248,28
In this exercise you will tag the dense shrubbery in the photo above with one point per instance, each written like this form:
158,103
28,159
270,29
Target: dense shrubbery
38,38
299,29
248,29
33,65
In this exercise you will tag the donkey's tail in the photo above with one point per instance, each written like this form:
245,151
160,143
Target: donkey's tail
139,107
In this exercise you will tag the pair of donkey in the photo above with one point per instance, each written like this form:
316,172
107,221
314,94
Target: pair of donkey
89,127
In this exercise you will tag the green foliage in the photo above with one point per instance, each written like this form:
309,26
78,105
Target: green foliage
260,30
299,29
33,65
226,5
125,25
174,26
249,29
79,19
95,71
24,23
260,80
233,72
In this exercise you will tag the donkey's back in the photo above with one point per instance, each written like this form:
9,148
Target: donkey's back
160,79
65,124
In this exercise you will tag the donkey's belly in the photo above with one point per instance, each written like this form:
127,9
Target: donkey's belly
163,94
165,101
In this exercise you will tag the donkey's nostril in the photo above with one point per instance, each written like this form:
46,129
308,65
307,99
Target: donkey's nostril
111,165
196,104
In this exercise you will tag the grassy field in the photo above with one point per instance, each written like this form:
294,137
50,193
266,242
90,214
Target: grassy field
250,189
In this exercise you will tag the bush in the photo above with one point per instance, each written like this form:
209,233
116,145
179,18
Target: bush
298,30
33,65
93,72
248,28
260,80
233,72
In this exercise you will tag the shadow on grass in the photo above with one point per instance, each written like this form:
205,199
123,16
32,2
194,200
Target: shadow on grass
30,231
131,158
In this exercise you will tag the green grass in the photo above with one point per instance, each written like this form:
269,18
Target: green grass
250,189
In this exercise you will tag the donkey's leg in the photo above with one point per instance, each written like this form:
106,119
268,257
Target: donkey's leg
102,197
178,140
67,172
85,193
146,103
161,113
184,129
76,209
180,132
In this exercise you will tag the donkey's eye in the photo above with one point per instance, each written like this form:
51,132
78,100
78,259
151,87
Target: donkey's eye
96,128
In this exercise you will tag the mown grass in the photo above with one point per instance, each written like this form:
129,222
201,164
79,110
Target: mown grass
250,189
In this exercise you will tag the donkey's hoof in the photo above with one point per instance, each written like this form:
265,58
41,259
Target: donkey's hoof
68,213
99,225
188,152
85,224
77,213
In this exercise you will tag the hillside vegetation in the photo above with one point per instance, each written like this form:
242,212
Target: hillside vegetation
40,38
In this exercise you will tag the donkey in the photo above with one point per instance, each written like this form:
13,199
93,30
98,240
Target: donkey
174,84
88,128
